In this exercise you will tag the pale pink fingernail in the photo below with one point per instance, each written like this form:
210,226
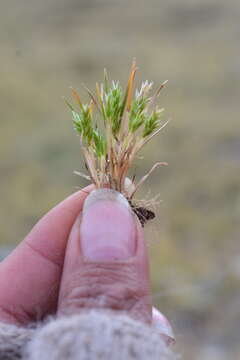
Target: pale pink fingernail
108,229
163,326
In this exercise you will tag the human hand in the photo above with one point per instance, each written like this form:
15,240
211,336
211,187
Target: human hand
77,258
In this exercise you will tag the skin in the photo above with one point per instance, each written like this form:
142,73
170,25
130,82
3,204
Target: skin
48,273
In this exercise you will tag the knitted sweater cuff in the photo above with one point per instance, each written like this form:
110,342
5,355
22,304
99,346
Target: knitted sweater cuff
89,335
13,340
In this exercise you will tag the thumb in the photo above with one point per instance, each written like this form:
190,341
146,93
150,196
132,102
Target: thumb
106,263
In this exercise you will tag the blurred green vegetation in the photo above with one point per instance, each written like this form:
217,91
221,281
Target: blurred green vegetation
195,250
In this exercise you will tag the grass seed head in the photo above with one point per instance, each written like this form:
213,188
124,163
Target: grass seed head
129,120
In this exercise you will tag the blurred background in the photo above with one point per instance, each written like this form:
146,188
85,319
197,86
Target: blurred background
194,242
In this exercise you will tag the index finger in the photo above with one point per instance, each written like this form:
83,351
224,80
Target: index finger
30,275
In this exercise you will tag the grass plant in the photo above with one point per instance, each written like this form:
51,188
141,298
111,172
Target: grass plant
113,127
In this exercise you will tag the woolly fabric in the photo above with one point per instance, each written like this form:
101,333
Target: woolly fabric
13,340
94,335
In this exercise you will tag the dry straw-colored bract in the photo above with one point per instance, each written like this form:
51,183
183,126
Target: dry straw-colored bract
113,127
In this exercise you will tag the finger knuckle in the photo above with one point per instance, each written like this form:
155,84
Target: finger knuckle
105,286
